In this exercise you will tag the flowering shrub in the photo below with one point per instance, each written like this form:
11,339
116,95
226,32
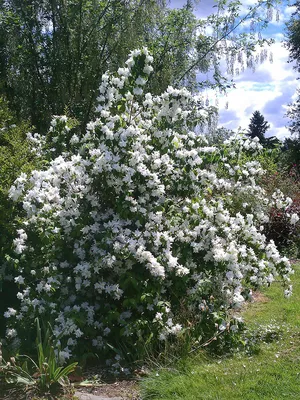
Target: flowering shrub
138,231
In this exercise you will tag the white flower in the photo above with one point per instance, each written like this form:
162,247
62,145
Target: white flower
223,326
123,71
288,292
11,312
148,69
106,331
64,355
158,316
11,333
294,219
238,300
140,81
176,329
138,91
20,280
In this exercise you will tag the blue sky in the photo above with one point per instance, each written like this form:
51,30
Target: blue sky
269,89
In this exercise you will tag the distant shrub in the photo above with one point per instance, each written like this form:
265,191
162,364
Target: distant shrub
279,228
290,157
284,229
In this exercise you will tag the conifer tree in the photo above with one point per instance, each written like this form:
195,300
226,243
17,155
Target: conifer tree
258,127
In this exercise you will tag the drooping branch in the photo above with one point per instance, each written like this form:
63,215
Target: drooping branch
216,42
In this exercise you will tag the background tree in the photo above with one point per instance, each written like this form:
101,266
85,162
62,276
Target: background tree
292,34
291,155
293,45
258,126
54,52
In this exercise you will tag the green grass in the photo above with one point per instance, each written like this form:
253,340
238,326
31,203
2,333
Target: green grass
273,373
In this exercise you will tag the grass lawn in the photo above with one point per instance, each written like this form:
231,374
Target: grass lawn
272,373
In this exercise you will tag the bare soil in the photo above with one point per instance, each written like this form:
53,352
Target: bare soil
125,389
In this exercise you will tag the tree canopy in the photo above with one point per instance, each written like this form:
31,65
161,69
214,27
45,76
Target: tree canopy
54,52
292,144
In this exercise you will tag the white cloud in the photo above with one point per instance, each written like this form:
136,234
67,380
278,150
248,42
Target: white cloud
269,89
288,11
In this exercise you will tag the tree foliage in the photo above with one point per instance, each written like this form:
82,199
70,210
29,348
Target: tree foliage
54,52
293,45
258,126
293,36
15,157
291,156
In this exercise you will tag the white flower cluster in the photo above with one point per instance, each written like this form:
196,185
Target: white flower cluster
294,219
140,213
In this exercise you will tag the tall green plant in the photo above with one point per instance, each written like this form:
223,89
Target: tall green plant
41,376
